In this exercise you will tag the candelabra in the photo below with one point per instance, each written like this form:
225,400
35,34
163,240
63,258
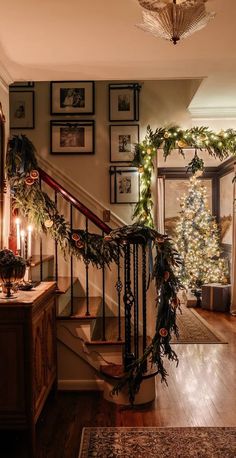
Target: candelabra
24,249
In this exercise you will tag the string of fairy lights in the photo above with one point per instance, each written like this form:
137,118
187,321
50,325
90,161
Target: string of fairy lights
219,145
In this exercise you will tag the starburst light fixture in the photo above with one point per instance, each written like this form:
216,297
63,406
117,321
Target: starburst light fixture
174,19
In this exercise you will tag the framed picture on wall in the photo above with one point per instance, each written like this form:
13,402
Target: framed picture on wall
72,97
22,84
123,139
124,185
124,102
72,137
21,109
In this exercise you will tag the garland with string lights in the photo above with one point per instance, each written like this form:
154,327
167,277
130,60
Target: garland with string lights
41,211
219,145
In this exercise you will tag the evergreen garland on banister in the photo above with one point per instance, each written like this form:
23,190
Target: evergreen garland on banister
219,145
41,211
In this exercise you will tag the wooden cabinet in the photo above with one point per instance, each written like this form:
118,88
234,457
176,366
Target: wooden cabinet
28,369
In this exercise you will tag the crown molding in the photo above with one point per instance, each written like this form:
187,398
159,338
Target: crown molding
212,112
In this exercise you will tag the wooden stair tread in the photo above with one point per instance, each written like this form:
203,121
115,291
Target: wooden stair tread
35,259
111,328
80,308
63,283
116,371
113,370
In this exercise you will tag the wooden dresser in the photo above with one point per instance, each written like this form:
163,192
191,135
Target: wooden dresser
28,369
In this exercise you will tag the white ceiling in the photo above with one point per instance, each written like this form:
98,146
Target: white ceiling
97,39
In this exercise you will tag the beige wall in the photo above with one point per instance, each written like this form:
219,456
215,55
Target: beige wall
161,102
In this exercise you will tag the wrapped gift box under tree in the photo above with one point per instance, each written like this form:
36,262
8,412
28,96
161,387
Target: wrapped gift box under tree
216,296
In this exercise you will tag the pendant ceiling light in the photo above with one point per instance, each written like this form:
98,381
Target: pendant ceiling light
174,20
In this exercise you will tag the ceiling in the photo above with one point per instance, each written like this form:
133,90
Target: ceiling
97,39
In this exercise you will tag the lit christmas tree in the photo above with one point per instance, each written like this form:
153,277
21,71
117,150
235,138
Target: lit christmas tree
198,240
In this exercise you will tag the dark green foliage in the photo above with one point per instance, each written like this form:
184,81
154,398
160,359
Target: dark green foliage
42,212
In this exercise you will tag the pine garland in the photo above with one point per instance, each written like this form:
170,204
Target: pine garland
42,212
219,145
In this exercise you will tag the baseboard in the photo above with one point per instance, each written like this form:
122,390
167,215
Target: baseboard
81,385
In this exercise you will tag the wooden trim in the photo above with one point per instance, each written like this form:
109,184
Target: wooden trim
81,385
226,167
181,172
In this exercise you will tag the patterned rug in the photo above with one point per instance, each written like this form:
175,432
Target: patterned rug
158,443
194,329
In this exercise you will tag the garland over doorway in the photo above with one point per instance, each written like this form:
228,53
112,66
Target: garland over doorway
219,145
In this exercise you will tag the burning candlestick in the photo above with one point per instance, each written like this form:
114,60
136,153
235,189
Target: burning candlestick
18,244
29,241
22,245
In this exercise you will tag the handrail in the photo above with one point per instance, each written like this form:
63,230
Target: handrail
74,201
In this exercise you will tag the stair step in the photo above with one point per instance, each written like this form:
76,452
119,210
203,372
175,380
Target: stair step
35,259
111,328
63,283
115,371
80,308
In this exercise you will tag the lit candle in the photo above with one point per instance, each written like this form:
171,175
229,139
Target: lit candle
22,248
18,234
29,241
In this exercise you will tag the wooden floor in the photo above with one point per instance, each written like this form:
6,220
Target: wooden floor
201,392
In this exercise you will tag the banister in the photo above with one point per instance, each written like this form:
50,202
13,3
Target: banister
74,201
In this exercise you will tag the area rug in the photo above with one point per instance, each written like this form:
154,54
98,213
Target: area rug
158,443
194,329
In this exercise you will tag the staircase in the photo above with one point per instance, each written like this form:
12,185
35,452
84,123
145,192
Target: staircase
101,313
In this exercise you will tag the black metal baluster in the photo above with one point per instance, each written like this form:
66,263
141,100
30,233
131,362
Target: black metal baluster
103,301
56,247
71,267
87,271
119,287
144,293
41,245
135,282
128,301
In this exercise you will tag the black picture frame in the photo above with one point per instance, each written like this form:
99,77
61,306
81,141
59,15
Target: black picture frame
22,109
123,138
75,137
124,102
78,98
124,185
22,84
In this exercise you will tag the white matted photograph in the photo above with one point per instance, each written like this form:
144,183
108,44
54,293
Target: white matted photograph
123,139
21,109
72,97
72,137
124,185
124,102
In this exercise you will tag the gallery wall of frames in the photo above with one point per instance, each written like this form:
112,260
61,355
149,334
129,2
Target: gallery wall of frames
89,129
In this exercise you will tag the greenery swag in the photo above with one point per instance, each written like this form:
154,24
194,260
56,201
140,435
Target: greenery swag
41,211
219,145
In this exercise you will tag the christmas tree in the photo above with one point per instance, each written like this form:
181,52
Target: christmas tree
198,240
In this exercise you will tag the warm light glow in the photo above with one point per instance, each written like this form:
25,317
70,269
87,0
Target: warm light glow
174,20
